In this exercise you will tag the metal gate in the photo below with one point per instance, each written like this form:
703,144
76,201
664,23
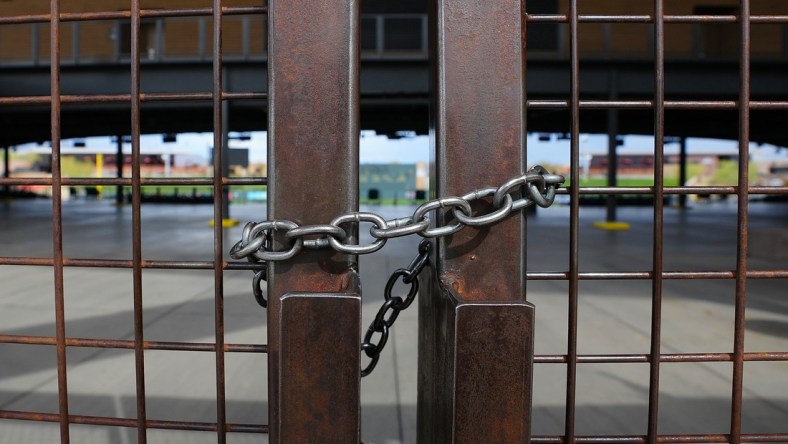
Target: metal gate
476,354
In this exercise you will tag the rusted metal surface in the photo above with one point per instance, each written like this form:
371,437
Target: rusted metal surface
659,215
574,222
479,133
480,387
491,369
125,422
742,220
478,122
313,135
658,274
220,212
320,383
137,262
116,15
136,222
478,88
57,222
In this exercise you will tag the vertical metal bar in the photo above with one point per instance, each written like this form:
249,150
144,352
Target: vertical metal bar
313,75
219,213
682,170
612,146
659,183
57,219
136,223
742,222
119,169
477,52
574,224
490,370
319,388
489,66
524,151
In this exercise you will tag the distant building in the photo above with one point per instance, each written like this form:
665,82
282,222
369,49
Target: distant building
391,181
641,165
153,162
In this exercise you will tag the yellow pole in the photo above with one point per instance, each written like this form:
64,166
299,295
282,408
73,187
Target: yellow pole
99,171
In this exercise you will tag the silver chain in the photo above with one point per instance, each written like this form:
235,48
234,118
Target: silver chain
535,187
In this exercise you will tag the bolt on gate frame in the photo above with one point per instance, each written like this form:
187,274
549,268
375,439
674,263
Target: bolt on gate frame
476,328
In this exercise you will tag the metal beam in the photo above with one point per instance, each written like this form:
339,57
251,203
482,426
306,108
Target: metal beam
313,121
392,88
478,127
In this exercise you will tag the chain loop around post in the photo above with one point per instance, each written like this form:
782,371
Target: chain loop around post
257,287
535,187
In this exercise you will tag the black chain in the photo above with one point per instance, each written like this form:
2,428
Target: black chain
260,275
394,304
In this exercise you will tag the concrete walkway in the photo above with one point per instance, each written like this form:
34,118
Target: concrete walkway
614,317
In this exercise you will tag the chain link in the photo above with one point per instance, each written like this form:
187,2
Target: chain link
393,305
536,187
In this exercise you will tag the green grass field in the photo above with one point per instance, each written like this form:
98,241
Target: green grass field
726,174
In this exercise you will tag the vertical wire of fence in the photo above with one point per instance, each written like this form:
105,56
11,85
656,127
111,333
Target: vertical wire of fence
659,104
137,263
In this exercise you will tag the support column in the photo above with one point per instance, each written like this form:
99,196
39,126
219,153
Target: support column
227,220
314,303
470,390
682,170
119,170
611,205
612,162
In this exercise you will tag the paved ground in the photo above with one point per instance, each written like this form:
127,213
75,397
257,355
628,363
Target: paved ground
614,318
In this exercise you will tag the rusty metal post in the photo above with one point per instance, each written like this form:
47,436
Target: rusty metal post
314,301
469,390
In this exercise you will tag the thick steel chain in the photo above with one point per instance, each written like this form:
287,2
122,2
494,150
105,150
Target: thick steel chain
256,245
536,187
